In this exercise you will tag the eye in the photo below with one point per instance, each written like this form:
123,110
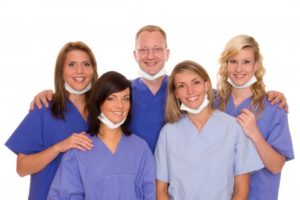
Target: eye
126,99
158,50
71,64
197,82
231,61
86,64
246,61
179,86
143,50
110,98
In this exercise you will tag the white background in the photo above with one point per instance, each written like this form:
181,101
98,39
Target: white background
33,31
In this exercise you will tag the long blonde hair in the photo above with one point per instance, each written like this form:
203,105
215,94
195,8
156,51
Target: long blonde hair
232,48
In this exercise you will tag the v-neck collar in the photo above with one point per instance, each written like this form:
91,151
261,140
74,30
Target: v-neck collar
106,147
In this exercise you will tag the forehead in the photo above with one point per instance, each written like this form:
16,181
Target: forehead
121,93
76,54
153,38
185,76
245,53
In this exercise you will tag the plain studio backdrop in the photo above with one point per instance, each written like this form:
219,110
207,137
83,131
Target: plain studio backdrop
32,32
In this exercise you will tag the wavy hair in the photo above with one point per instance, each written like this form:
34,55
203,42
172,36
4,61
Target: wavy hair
232,48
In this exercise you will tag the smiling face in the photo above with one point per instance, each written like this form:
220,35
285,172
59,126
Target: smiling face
242,67
151,52
77,69
116,106
190,89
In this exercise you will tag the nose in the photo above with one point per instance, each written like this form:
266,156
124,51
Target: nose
150,53
238,66
190,89
79,69
119,103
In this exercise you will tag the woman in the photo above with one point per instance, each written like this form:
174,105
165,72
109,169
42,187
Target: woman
201,153
242,94
46,133
120,165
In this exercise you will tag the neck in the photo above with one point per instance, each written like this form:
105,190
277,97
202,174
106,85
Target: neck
200,119
153,85
79,102
239,95
107,133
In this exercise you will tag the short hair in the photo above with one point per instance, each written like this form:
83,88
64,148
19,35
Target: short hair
109,83
152,28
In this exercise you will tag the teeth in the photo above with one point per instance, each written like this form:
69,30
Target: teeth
118,113
192,98
79,79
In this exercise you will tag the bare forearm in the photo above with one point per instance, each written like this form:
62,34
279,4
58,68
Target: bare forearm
241,187
162,190
272,160
33,163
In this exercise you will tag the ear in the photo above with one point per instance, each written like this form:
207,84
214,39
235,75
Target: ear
167,54
206,86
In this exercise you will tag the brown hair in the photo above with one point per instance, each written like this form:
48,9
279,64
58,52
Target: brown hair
61,95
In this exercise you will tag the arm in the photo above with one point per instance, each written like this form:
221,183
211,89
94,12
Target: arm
161,190
241,187
41,99
272,160
33,163
278,97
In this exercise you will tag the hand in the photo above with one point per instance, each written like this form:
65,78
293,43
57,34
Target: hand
278,97
76,140
247,121
41,99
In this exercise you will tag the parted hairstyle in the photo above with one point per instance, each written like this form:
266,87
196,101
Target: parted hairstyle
173,112
152,28
232,48
60,96
109,83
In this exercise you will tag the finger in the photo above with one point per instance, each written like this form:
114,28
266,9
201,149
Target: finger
49,95
282,103
37,102
44,100
276,100
270,95
31,106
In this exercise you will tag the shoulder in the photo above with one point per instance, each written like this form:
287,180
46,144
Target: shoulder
225,121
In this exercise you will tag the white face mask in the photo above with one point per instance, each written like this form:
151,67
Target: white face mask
204,103
109,123
150,77
248,84
73,91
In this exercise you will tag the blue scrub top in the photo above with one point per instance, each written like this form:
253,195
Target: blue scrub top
148,111
97,174
38,131
273,124
202,165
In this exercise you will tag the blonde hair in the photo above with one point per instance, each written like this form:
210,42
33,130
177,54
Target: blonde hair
173,112
232,48
152,28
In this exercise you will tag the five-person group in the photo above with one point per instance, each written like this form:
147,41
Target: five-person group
157,136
